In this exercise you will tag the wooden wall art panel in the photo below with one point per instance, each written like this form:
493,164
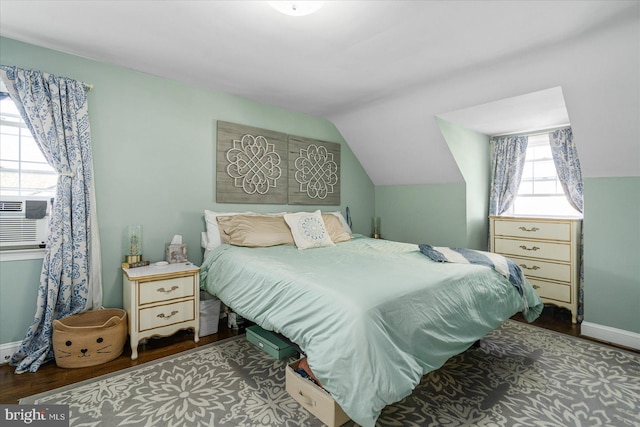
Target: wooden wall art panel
314,172
251,165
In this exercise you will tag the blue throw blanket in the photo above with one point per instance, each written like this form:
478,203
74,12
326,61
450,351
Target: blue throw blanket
499,263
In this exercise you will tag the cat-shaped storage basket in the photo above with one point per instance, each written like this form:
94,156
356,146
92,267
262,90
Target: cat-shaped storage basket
89,338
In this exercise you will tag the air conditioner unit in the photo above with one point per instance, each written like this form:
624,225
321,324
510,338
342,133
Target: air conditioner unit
24,221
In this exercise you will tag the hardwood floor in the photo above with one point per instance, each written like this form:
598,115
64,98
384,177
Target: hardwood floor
14,387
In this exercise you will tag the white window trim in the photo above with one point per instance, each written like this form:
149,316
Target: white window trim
21,254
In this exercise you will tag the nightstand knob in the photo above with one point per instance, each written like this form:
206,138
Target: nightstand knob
534,229
535,267
535,286
534,248
173,288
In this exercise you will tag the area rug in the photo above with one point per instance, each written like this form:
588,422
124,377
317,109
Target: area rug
519,375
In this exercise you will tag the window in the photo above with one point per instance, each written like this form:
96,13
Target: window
540,191
24,171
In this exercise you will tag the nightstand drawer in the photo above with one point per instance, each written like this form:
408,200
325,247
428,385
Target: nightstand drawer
165,315
534,230
553,291
544,270
533,249
165,290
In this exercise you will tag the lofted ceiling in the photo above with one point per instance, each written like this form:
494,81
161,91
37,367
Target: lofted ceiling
544,109
379,70
345,55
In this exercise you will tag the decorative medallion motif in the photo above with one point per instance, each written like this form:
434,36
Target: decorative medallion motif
316,171
311,228
254,164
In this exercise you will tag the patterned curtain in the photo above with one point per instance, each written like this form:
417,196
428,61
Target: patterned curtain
565,157
56,112
507,164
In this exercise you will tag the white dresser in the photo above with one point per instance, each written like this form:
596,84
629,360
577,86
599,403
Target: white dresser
161,300
547,250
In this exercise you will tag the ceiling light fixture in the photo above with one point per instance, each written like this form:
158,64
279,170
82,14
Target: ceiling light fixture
296,8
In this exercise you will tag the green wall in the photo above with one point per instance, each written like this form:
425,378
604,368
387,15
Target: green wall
153,144
454,214
431,213
18,294
470,149
612,252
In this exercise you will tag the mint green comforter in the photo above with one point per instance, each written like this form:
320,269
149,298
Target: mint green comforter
373,316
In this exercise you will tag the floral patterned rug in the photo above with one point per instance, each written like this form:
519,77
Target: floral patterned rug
520,375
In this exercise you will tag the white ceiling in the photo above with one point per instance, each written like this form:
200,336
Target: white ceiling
347,54
539,110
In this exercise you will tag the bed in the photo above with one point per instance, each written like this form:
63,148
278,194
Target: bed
373,316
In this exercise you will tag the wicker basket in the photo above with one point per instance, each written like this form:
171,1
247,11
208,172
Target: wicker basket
89,338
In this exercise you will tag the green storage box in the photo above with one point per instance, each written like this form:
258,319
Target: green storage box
270,342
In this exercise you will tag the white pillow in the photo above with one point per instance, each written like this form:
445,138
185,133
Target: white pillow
308,230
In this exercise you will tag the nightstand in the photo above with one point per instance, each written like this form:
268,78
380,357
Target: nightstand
161,300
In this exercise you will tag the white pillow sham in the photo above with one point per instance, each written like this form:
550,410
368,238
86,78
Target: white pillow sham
308,230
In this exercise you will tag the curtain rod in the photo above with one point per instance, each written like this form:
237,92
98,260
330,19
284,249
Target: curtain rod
532,133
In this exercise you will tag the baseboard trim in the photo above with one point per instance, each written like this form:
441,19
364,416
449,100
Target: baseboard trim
7,350
611,335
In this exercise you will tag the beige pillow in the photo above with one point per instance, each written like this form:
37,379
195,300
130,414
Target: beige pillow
254,230
335,229
215,236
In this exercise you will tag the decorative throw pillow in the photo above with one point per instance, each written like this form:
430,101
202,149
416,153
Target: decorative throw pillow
308,230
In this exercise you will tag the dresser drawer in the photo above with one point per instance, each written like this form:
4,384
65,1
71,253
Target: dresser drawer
552,291
533,249
165,315
534,229
544,269
165,290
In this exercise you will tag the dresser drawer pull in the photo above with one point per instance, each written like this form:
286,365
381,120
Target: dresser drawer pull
526,267
534,248
533,229
173,288
535,286
164,316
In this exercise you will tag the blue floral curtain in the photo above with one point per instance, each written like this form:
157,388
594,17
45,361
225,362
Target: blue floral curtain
565,157
56,112
507,163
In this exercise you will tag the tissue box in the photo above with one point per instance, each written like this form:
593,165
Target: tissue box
176,253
